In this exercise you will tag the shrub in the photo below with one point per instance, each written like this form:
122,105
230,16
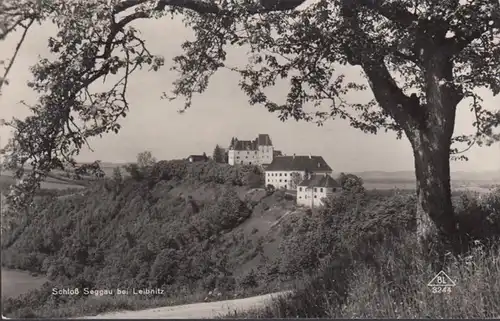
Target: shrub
270,189
381,271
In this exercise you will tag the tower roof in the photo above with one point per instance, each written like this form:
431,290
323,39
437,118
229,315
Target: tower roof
264,140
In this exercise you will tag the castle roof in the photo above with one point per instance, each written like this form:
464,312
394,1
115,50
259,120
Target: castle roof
264,140
261,140
320,181
298,163
245,145
197,158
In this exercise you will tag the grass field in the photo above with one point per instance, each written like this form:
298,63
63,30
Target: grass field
52,182
15,283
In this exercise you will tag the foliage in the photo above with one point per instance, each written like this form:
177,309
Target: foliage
168,239
159,231
205,172
479,215
401,47
134,171
295,180
91,169
347,221
145,160
256,178
351,183
159,242
140,169
219,155
117,175
359,259
270,189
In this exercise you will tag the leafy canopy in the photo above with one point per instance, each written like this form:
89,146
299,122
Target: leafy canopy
390,40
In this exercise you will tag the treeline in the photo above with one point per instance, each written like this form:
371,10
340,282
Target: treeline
197,172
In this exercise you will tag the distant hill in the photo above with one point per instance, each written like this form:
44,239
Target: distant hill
410,175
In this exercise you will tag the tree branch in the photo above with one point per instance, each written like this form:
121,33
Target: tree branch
465,36
404,110
391,98
395,13
3,79
200,6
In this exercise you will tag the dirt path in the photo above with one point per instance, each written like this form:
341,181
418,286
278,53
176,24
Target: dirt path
192,311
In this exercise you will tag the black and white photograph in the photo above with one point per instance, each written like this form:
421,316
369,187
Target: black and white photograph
229,159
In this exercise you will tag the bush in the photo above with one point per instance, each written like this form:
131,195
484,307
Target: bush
479,215
351,183
270,189
370,266
134,171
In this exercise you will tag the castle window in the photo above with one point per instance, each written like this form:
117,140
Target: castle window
280,180
315,190
300,189
321,190
280,174
284,174
315,196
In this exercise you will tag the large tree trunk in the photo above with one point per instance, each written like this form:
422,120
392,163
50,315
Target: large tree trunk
429,126
432,171
431,143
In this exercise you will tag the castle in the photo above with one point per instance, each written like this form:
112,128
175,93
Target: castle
259,151
309,176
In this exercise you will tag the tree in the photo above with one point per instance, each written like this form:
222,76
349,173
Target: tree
218,155
270,189
351,183
254,177
145,160
134,171
117,176
420,60
295,180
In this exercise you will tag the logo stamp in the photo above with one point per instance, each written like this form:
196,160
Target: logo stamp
441,283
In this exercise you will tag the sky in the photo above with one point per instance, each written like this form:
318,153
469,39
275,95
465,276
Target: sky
223,112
